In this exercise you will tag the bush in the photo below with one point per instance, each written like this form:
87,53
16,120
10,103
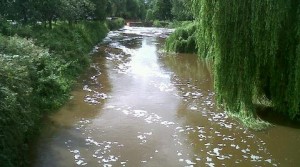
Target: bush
115,23
36,76
149,15
183,40
27,74
178,24
158,23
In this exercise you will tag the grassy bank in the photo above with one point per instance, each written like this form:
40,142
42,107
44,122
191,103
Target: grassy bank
183,40
38,67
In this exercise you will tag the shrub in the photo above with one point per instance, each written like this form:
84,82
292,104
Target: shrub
158,23
36,76
115,23
182,40
27,72
178,24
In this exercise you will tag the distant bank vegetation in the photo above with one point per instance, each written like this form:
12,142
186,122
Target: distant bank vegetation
183,40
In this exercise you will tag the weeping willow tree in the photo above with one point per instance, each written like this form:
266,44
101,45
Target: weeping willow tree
256,52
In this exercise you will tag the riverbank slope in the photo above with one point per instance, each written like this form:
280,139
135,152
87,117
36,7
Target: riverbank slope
38,67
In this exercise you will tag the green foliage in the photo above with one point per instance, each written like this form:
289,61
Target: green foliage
183,40
73,10
178,24
162,9
115,23
45,10
181,9
10,28
78,38
49,11
158,23
100,9
251,122
204,12
132,9
128,9
255,48
24,86
150,15
35,80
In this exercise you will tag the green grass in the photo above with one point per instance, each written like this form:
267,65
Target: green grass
251,122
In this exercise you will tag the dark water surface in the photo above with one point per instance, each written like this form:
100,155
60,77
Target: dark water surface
138,106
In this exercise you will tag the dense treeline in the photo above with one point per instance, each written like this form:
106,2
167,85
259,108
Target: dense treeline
169,10
256,52
49,11
128,9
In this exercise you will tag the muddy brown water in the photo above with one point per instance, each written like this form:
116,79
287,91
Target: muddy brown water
137,106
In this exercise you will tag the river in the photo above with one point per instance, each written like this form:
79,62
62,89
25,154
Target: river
138,106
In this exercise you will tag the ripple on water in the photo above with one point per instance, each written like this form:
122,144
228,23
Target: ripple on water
78,159
239,146
246,147
216,140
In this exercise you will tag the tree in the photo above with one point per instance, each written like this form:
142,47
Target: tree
117,7
162,9
181,9
128,9
142,9
256,51
132,9
73,10
150,15
46,10
100,9
18,10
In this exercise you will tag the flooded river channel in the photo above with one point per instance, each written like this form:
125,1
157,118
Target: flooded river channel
139,107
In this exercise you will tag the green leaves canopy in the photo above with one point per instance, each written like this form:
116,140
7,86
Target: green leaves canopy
48,10
256,52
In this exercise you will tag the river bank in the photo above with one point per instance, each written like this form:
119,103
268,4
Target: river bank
37,72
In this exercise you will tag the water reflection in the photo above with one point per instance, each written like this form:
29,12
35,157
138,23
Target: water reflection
90,95
62,128
191,70
215,139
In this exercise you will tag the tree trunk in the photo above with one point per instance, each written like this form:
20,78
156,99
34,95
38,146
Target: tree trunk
70,23
50,23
